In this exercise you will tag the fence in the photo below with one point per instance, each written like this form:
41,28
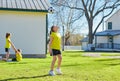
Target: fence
108,45
72,47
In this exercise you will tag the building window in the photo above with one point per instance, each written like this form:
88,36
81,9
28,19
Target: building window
109,25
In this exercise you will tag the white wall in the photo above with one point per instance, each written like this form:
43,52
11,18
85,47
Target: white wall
28,31
117,39
105,39
101,39
115,19
84,46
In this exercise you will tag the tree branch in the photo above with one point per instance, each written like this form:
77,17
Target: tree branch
87,2
77,18
85,10
90,6
103,19
93,7
105,8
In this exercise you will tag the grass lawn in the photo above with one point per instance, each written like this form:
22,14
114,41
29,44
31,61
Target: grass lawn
75,68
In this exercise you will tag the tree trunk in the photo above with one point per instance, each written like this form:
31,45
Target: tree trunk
90,35
90,41
67,36
66,41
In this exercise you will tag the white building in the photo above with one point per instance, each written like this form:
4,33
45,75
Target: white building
26,20
110,38
84,45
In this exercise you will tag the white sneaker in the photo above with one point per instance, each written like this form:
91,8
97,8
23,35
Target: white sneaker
59,71
51,73
8,60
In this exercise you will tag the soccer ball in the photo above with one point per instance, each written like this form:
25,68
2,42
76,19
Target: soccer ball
51,10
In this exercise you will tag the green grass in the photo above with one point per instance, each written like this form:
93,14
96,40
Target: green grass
75,67
110,54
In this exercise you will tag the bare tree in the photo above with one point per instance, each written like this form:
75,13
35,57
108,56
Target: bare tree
92,9
66,17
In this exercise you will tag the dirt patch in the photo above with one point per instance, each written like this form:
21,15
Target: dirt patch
98,55
92,55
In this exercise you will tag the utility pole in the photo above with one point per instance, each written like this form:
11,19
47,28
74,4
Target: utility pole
103,22
63,39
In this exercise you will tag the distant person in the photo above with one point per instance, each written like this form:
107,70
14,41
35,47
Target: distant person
55,49
7,45
18,55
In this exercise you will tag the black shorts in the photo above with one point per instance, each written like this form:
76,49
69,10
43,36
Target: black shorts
55,52
14,59
7,49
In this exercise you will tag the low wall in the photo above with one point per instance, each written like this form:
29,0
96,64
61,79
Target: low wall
72,47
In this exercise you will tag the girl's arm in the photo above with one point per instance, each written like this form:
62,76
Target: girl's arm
50,43
13,46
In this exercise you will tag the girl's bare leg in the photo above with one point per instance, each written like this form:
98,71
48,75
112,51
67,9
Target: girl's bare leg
53,62
59,60
7,55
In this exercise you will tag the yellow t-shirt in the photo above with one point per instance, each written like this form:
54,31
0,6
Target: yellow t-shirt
7,45
56,43
18,56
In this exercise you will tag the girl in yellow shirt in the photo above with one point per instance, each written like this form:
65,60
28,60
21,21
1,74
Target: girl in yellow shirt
17,53
8,45
54,49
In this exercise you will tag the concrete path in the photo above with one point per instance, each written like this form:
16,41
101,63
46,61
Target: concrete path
99,55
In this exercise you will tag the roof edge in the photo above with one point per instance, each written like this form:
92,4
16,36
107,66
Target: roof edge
108,33
26,10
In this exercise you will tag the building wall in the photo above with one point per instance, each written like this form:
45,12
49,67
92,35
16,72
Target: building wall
28,31
115,19
117,39
101,39
84,46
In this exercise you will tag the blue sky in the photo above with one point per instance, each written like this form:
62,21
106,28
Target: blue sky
82,22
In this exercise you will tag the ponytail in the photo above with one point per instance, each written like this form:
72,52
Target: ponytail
51,30
7,35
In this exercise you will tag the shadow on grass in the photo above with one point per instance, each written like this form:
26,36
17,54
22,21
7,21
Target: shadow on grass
17,63
71,65
114,64
25,77
2,62
110,64
108,59
74,51
74,55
